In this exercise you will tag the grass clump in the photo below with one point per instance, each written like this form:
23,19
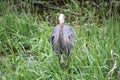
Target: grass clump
25,52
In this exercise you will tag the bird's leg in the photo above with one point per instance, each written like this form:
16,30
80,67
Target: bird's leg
59,58
68,60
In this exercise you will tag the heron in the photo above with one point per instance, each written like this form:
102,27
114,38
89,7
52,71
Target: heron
62,38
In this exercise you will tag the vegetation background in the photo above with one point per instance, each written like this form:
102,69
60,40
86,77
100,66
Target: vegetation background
25,52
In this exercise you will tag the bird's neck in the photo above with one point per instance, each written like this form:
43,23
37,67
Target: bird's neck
61,23
61,26
60,36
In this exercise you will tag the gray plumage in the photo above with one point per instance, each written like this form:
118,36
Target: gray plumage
62,38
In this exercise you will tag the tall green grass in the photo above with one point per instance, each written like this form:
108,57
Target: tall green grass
25,52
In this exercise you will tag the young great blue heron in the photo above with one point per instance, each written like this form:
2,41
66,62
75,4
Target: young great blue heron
62,38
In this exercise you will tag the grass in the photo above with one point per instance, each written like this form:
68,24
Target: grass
25,52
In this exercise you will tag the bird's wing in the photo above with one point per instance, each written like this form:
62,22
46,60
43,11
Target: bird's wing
69,34
54,35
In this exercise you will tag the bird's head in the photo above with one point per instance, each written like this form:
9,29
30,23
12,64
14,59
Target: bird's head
61,19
